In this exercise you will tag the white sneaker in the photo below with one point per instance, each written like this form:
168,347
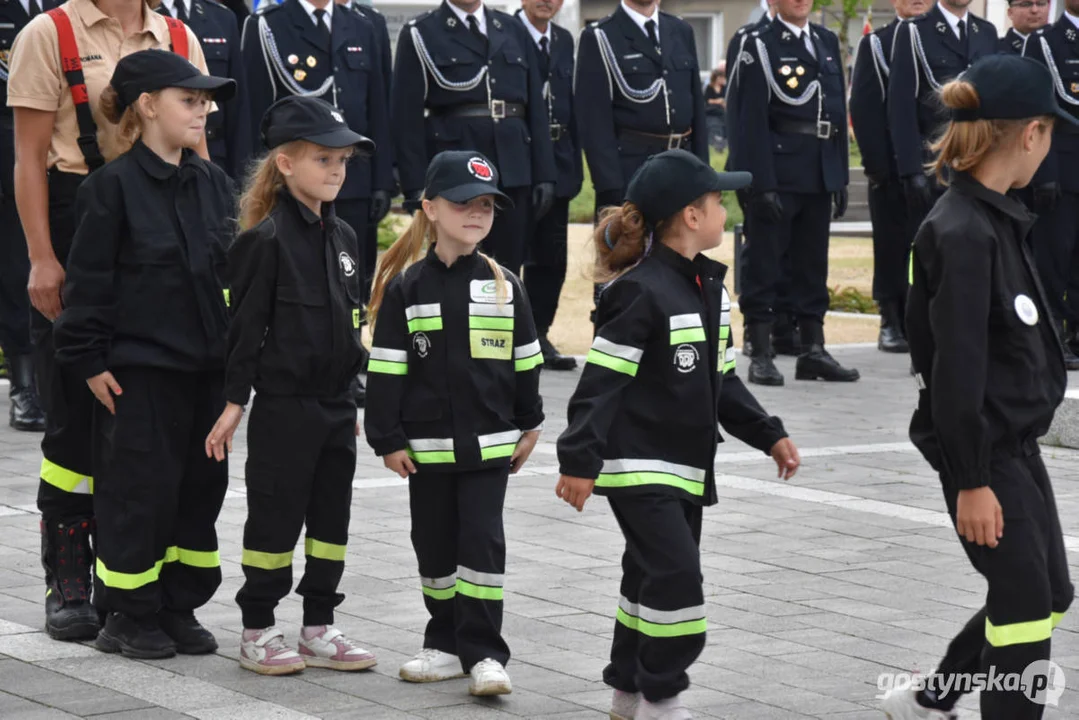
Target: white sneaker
624,705
331,649
669,709
903,705
489,678
265,652
431,665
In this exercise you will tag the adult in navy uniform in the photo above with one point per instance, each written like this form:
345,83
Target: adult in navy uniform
791,133
1054,192
228,131
928,51
892,230
545,254
467,78
25,411
1026,17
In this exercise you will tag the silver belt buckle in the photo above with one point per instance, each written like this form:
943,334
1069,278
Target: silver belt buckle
556,132
674,141
824,129
498,109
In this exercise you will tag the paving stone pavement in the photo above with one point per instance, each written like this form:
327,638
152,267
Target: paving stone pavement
814,587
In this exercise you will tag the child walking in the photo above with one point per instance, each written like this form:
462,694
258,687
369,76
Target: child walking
454,405
145,324
643,419
295,340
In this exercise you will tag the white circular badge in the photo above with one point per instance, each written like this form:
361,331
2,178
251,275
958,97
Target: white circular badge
1026,309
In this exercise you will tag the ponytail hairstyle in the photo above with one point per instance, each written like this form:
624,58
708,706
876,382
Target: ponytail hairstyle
128,119
965,144
622,239
263,183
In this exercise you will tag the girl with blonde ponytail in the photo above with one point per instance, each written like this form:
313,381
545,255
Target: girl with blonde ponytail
454,406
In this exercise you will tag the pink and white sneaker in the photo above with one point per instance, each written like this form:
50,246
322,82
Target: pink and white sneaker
265,652
325,646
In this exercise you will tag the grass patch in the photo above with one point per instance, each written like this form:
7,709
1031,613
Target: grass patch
851,300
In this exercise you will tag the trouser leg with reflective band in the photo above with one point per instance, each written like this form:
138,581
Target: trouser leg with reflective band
300,465
156,500
1029,591
660,625
459,542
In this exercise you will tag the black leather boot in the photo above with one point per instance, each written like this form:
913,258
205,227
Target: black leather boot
816,363
1071,360
67,557
762,369
553,359
891,338
25,413
190,636
140,638
785,340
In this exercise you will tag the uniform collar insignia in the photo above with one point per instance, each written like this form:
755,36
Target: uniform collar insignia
786,35
1017,44
941,27
498,25
974,28
1070,34
451,22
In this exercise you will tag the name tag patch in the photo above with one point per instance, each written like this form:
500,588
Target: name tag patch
491,344
486,291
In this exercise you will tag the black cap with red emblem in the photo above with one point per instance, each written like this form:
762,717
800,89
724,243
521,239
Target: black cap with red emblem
462,175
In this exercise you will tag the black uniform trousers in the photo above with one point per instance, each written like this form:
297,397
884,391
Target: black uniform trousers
65,490
459,543
1056,254
892,237
14,260
660,626
506,241
801,235
545,263
157,496
1029,588
300,464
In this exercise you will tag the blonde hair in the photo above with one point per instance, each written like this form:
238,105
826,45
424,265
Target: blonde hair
130,122
621,239
263,183
406,250
964,145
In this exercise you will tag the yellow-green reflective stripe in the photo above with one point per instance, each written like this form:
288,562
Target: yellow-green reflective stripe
425,324
1018,633
612,363
690,627
648,478
128,581
482,322
497,451
687,335
1056,618
355,317
228,297
480,592
433,456
323,550
528,363
66,480
193,558
443,594
724,332
387,367
265,560
910,266
727,367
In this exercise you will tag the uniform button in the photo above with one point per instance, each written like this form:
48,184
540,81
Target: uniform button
493,81
673,111
336,69
666,72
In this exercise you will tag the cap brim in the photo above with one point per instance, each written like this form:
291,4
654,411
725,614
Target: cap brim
222,88
343,137
464,193
732,181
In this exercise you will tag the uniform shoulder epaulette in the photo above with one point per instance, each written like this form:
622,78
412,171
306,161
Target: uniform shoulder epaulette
762,30
217,6
371,8
920,18
603,21
983,22
268,7
421,16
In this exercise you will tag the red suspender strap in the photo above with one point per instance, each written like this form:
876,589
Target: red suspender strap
72,67
178,36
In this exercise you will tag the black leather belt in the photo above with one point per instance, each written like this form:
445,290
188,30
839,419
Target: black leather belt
498,110
653,142
823,129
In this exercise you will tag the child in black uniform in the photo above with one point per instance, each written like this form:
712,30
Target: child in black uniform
642,422
295,340
990,369
145,323
454,405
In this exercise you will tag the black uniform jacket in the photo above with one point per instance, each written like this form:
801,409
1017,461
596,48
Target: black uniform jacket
1013,43
868,102
659,375
145,276
295,305
1057,47
427,86
981,337
454,370
734,52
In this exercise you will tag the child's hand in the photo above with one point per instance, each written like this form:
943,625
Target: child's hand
104,386
978,516
400,463
786,457
574,490
524,448
220,437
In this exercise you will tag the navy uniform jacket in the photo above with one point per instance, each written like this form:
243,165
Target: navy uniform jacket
1013,43
382,35
303,63
228,131
422,123
603,111
914,124
558,78
779,159
1057,46
868,102
734,51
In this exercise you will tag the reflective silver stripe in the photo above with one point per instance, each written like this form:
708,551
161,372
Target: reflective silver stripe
725,303
490,309
626,352
431,444
499,438
442,583
689,320
725,317
526,351
421,311
729,355
628,607
661,617
480,578
635,465
389,355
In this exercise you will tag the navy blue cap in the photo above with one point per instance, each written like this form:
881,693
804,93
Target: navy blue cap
669,181
1011,87
462,175
308,118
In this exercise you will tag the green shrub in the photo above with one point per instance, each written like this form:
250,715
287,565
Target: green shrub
851,300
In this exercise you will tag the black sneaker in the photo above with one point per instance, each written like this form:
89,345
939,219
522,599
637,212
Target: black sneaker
554,360
190,637
142,638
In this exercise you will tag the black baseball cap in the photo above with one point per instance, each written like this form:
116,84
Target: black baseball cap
460,176
308,118
1011,87
148,71
669,181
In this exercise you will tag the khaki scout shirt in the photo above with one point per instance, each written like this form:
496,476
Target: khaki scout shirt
36,80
